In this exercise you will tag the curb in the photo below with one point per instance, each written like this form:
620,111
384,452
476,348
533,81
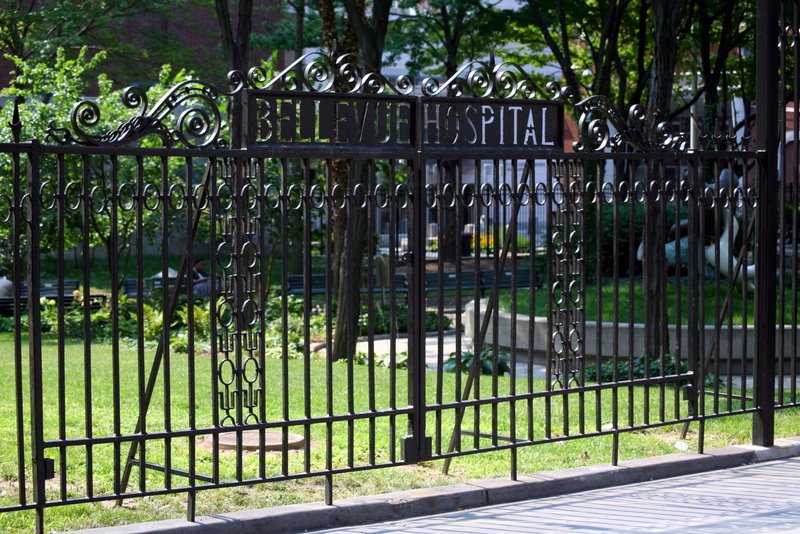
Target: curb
411,503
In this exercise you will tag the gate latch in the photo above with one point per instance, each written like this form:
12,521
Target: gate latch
414,451
48,468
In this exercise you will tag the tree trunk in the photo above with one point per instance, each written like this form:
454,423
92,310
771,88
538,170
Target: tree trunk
350,224
666,16
299,28
349,271
347,45
236,47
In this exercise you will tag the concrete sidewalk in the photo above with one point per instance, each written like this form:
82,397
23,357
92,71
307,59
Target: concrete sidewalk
753,498
602,498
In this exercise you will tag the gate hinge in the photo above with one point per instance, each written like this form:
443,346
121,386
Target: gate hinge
48,468
414,451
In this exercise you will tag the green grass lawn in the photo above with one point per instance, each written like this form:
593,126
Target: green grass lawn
594,411
677,303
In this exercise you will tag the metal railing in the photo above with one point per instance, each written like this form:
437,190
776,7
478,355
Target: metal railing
586,329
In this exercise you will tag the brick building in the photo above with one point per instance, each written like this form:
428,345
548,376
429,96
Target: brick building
188,37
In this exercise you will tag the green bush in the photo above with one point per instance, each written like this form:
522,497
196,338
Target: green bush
637,367
487,362
382,320
382,360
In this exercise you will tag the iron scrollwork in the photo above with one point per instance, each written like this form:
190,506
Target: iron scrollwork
194,104
601,127
485,80
324,73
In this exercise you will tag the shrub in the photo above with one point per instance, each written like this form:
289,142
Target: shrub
382,320
382,360
486,365
637,367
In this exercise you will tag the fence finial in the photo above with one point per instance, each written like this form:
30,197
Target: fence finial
16,124
333,54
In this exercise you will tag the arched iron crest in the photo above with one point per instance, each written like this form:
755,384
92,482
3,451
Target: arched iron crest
188,115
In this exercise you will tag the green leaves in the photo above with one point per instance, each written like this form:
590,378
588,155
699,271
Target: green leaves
489,362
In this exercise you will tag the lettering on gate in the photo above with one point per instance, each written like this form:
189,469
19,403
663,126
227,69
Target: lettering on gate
369,120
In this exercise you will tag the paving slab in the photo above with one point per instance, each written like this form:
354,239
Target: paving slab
723,496
752,498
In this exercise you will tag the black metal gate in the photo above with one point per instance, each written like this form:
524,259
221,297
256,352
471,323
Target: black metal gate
368,239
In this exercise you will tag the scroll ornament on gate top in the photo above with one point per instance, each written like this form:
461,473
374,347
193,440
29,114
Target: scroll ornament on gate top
187,115
318,72
598,119
326,73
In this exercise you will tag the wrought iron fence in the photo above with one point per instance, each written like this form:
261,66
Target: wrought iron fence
343,217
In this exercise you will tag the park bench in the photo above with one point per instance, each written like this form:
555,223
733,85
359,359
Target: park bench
129,289
487,282
49,289
503,279
296,285
447,282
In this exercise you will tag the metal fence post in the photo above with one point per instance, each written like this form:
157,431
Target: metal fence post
417,446
767,99
42,467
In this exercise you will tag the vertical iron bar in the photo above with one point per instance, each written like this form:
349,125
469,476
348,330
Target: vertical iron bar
782,177
767,98
439,202
615,199
140,348
18,227
370,207
793,184
478,344
87,320
62,393
513,229
632,202
678,287
416,356
329,252
599,201
115,280
210,191
284,226
34,335
696,263
165,329
266,284
307,311
394,207
533,276
189,198
351,210
550,263
496,226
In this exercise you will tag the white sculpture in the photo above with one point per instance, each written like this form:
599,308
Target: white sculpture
730,230
725,244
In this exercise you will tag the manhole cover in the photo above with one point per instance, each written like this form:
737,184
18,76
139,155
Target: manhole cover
251,439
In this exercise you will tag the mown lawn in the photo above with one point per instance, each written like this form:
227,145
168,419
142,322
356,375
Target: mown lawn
309,376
